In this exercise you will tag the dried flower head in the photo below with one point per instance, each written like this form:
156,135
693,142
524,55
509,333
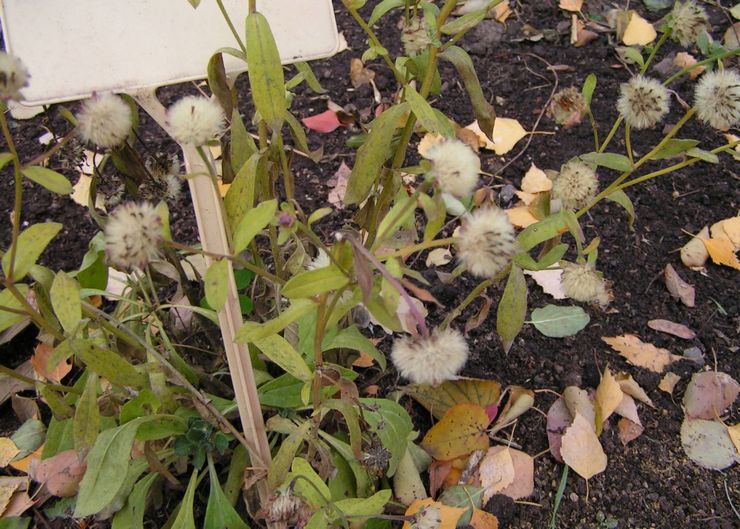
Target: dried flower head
104,120
568,107
430,360
576,185
428,517
284,507
415,36
133,235
487,242
583,283
195,120
689,21
643,102
717,99
13,77
454,166
166,181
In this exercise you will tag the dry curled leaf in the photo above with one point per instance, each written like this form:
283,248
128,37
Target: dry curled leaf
551,281
632,388
679,288
684,60
581,449
535,180
571,5
523,484
339,185
669,327
734,432
521,217
506,133
358,74
438,257
640,353
578,402
628,430
61,474
8,451
694,254
608,395
668,382
709,394
722,252
477,319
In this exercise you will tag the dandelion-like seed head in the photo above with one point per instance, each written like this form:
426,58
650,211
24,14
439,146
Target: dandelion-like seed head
487,242
415,37
133,235
13,77
689,21
428,517
104,120
455,167
643,102
582,283
568,106
717,99
430,360
576,185
195,120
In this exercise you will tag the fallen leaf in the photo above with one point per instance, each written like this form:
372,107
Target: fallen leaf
23,464
535,180
669,327
506,133
483,520
638,31
628,430
734,432
722,252
579,403
496,471
477,319
61,474
728,229
551,281
438,472
521,217
325,122
640,353
364,360
684,60
709,394
668,382
694,254
438,257
428,142
608,395
448,515
628,409
708,443
24,407
730,38
8,487
583,37
19,503
520,400
525,197
558,419
502,11
8,451
677,287
40,359
523,484
461,431
632,388
581,449
571,5
339,185
439,400
358,74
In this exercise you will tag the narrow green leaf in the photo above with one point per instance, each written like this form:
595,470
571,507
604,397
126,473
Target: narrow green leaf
86,423
465,22
630,55
703,155
220,514
7,299
364,507
402,213
351,338
216,284
132,514
431,121
311,80
618,162
382,8
5,157
14,522
373,154
65,299
242,144
621,198
314,282
559,322
31,244
674,147
316,492
542,231
265,71
392,424
219,84
512,309
185,518
282,461
108,364
351,419
51,180
278,350
252,331
253,222
240,197
194,3
589,85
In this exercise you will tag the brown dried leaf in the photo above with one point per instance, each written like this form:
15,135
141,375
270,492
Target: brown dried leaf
8,451
629,431
496,471
638,31
535,180
608,395
477,319
521,217
694,254
339,185
461,431
438,257
581,449
668,382
483,520
722,252
40,359
684,60
734,432
579,403
358,74
669,327
628,409
571,5
679,288
633,389
728,229
551,281
523,484
709,394
61,473
640,353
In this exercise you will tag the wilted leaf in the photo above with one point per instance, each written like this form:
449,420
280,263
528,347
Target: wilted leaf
324,123
722,252
438,257
61,473
551,281
559,322
438,400
628,430
628,409
677,287
448,515
571,5
694,254
581,449
709,393
640,353
536,180
632,388
358,74
496,471
521,217
523,483
668,382
8,451
707,443
477,319
608,395
40,359
558,419
669,327
339,185
520,400
461,431
506,133
8,487
638,31
483,520
579,402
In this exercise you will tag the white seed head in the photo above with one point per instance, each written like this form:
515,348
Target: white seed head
717,99
643,102
431,360
576,185
582,283
428,517
104,120
321,260
195,120
487,242
133,235
415,37
455,167
13,77
689,21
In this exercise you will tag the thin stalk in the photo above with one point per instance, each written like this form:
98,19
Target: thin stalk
408,250
41,158
318,356
28,380
288,181
628,143
558,497
252,6
18,195
227,18
611,134
717,57
410,205
477,291
594,128
655,49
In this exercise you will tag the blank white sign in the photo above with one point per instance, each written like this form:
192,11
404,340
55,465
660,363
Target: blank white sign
75,47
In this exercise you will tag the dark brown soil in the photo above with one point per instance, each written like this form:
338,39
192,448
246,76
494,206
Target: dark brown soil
648,484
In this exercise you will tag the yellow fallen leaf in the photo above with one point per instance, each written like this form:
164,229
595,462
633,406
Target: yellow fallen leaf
8,486
728,229
461,431
581,449
521,217
571,5
448,515
668,382
496,471
629,387
502,11
483,520
8,451
638,31
428,141
734,432
535,180
223,188
22,464
608,395
640,353
506,133
722,252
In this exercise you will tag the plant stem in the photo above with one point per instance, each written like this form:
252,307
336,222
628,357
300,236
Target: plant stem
227,18
611,134
655,49
252,6
18,196
408,250
687,69
454,313
628,143
288,181
318,357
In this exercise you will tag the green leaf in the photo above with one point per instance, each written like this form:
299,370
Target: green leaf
218,83
430,120
362,479
14,522
618,162
107,466
265,71
65,299
254,221
132,514
657,5
542,231
185,518
559,322
468,497
31,244
392,424
216,284
589,85
351,338
554,255
311,80
315,492
278,471
402,213
373,154
7,299
703,155
351,419
314,282
621,198
108,364
252,331
630,55
242,144
5,157
220,514
29,437
240,197
278,350
51,180
673,148
382,8
364,507
194,3
512,309
465,22
86,423
482,109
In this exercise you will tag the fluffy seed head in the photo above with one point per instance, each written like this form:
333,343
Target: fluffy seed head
13,77
428,517
104,120
195,120
576,185
582,283
455,167
321,260
487,242
431,360
689,21
133,235
643,102
568,107
415,37
717,99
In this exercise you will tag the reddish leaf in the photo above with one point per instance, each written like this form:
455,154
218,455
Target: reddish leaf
325,122
629,431
61,474
669,327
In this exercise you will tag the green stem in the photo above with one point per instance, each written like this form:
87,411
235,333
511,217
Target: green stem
594,127
687,69
454,313
252,6
611,134
18,196
408,250
227,18
628,143
288,181
655,49
318,356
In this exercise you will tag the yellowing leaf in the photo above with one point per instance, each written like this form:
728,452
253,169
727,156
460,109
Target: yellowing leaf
483,520
734,432
694,254
461,431
640,353
506,133
638,31
571,5
448,515
502,11
496,471
581,449
668,382
521,217
439,400
608,395
536,180
728,229
722,252
8,451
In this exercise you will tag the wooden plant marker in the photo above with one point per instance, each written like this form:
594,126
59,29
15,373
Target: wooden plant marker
73,49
